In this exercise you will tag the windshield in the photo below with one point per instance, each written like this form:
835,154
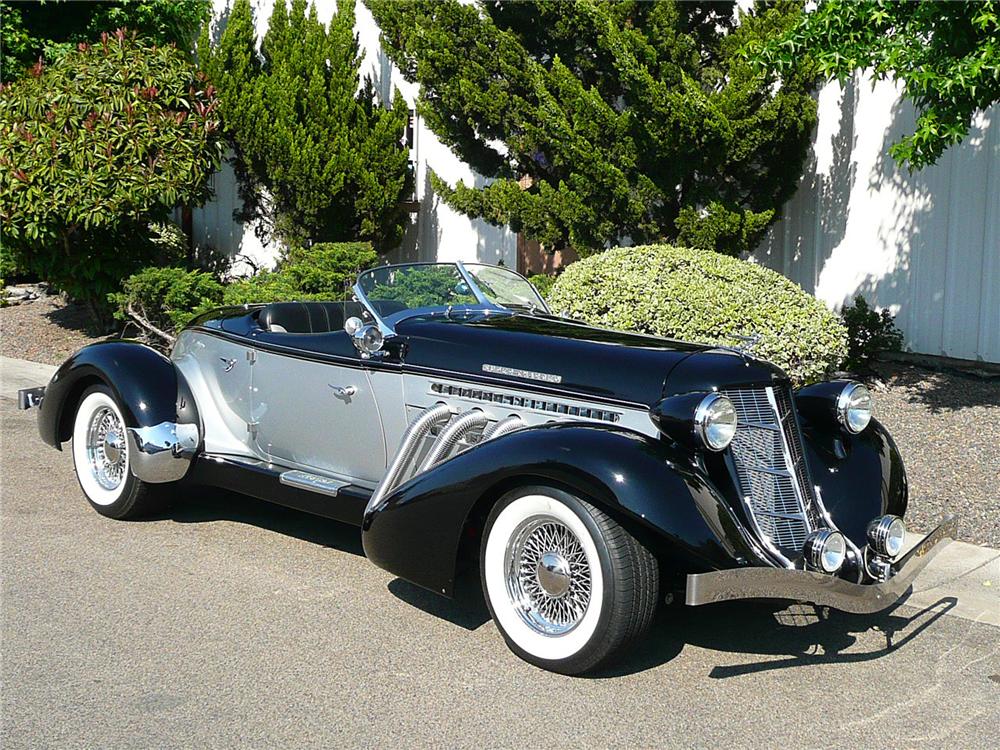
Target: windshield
505,288
390,289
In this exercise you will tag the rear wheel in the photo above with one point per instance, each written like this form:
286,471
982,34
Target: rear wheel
101,457
567,586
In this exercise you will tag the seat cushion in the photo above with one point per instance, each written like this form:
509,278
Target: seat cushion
303,317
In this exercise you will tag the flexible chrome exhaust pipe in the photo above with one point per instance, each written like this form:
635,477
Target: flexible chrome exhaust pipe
450,435
416,432
504,426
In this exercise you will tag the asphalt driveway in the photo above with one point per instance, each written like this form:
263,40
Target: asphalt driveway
229,622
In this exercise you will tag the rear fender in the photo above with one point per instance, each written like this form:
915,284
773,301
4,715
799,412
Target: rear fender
158,407
416,531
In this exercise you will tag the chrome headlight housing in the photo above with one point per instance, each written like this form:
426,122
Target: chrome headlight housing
886,535
854,407
825,550
715,422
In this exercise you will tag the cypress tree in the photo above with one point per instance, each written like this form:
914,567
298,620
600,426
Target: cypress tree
318,158
604,120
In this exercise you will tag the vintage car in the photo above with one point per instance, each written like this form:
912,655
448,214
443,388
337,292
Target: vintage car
591,474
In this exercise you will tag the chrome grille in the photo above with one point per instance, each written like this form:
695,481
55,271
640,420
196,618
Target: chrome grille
770,467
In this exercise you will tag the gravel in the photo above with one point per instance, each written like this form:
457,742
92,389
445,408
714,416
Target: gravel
48,330
946,424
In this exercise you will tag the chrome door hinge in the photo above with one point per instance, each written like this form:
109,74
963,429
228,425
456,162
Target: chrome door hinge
252,429
251,355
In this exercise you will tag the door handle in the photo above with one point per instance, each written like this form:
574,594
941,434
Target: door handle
229,364
344,391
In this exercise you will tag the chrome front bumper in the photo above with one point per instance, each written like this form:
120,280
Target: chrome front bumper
818,588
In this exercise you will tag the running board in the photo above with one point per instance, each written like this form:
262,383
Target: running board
313,482
292,488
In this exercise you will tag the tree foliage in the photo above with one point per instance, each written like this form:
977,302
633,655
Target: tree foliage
601,120
48,30
946,56
93,148
317,157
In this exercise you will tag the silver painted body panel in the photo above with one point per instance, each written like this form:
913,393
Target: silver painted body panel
292,410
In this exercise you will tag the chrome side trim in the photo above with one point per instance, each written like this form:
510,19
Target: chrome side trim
305,480
465,423
163,452
408,445
818,588
552,406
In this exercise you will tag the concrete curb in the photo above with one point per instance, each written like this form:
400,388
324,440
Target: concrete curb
16,374
967,573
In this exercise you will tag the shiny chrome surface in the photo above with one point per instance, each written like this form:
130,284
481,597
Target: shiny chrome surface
499,398
30,398
344,391
504,427
106,450
313,482
844,401
825,550
548,576
817,588
163,452
886,535
703,420
408,445
770,468
463,425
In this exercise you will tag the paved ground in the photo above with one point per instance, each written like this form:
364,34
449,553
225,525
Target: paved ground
230,622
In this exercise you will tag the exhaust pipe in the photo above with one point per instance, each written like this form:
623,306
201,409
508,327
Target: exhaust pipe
450,435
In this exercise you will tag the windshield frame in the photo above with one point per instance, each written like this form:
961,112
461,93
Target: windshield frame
483,302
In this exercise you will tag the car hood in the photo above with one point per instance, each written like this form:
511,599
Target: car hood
544,352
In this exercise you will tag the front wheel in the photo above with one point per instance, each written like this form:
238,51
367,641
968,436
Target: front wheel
567,586
101,458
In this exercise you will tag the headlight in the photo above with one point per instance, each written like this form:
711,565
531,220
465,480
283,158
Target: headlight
825,550
886,535
715,422
854,407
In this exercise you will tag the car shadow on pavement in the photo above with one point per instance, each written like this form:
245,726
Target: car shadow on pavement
800,633
207,504
466,608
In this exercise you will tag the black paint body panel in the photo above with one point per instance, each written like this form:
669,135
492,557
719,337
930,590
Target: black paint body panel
148,387
657,491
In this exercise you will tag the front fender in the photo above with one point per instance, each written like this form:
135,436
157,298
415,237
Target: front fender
415,532
156,402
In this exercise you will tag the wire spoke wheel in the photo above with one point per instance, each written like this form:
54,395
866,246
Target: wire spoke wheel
106,449
548,575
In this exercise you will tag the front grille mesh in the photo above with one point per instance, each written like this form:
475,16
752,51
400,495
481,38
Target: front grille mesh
776,490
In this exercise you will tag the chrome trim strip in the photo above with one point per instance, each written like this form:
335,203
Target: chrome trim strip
162,452
524,402
305,480
818,588
789,463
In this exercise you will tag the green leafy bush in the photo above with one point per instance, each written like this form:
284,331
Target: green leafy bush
165,298
543,282
868,333
93,149
705,297
424,286
161,300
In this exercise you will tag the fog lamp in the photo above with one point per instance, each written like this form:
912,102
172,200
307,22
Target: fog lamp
886,535
825,550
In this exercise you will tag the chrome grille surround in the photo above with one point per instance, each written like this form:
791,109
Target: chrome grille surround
771,473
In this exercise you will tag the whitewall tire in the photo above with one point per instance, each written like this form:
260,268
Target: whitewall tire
101,458
567,586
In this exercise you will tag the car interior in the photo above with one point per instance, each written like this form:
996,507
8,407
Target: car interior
317,317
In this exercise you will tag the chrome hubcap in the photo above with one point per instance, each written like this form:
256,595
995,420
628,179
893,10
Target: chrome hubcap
106,448
548,576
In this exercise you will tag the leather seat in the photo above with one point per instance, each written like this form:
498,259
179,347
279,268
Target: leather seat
307,317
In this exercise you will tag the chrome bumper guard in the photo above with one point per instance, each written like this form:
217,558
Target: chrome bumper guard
818,588
30,398
163,452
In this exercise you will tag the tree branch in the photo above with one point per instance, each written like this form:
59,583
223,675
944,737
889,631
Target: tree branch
144,324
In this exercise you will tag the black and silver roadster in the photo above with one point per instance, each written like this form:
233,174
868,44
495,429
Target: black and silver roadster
591,474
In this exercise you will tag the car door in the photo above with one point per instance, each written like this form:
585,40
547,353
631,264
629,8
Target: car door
318,415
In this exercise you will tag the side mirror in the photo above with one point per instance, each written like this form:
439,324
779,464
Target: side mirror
368,340
462,289
353,325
